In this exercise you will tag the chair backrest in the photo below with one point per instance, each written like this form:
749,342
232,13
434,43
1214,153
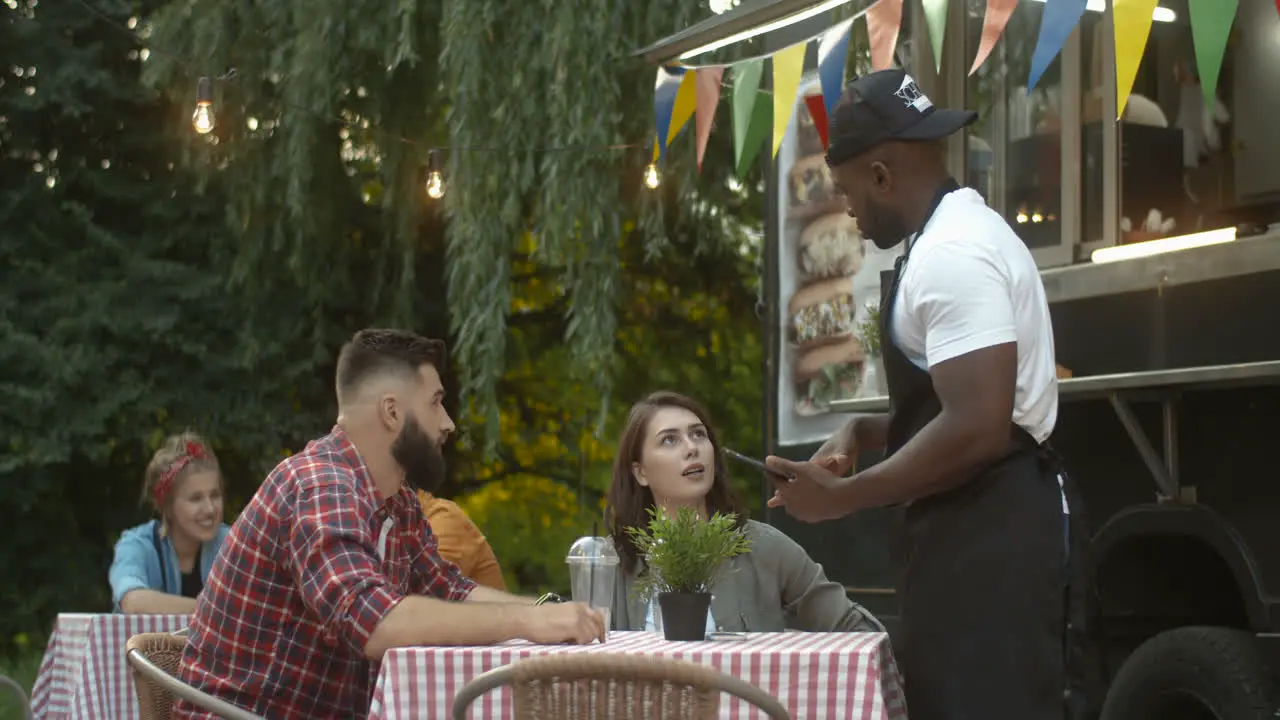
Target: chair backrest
155,659
21,694
614,686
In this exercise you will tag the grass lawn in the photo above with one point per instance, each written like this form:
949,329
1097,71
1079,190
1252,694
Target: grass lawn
23,669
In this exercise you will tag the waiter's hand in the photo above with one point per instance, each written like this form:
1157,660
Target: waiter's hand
840,452
812,494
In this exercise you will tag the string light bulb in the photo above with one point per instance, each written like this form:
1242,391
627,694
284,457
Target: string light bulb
652,179
202,118
435,179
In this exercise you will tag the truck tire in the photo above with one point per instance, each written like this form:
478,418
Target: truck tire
1193,673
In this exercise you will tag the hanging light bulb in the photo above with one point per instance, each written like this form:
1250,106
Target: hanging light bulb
435,180
651,177
202,118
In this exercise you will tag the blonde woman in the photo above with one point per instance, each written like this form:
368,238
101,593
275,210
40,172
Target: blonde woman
160,566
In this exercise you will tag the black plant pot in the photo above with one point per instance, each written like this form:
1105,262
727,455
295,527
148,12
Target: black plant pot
684,615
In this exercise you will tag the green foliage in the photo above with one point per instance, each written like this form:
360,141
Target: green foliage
686,553
116,325
308,150
530,521
155,280
23,670
546,70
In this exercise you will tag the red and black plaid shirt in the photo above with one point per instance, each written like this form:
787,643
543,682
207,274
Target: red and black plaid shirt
298,588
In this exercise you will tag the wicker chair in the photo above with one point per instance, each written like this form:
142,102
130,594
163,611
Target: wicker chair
23,701
154,659
614,686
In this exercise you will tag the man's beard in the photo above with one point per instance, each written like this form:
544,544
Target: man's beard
882,225
419,456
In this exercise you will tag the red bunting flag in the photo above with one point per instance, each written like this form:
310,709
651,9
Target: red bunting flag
708,97
884,19
993,24
818,109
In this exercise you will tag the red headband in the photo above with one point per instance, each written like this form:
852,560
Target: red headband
192,451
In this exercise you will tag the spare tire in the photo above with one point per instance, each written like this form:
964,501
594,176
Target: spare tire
1193,673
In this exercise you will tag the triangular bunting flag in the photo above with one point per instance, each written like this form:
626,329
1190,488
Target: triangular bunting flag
685,102
665,88
1057,21
1210,28
708,85
884,19
833,53
993,25
1133,26
935,16
818,110
750,119
788,63
757,129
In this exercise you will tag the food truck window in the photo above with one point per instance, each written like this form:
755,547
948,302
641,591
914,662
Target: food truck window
1015,149
1187,166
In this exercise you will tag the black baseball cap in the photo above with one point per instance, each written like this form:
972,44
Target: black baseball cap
887,105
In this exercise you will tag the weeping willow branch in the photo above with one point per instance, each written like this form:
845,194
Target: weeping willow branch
332,194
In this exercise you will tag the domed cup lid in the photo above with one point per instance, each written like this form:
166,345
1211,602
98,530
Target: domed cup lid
593,549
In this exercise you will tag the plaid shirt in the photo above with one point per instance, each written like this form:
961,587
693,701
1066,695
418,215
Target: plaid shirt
298,588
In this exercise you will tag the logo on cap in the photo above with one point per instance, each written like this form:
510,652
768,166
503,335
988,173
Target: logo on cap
911,96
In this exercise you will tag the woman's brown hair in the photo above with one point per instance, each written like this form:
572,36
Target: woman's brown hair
180,455
628,502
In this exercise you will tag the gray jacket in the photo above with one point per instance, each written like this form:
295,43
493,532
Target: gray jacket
774,587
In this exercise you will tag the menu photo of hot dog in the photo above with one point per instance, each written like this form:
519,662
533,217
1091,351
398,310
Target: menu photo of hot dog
812,190
827,357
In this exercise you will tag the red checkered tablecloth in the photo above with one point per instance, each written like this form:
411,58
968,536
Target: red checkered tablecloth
823,676
84,673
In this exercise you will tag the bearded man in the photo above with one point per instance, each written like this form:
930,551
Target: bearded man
332,563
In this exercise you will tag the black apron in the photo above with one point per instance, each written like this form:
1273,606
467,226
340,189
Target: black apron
993,591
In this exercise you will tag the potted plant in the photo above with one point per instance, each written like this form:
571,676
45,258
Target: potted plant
684,556
868,334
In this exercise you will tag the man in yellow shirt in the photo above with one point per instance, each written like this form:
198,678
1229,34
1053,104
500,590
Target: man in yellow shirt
461,542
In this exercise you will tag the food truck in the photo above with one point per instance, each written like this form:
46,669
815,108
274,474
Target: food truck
1158,236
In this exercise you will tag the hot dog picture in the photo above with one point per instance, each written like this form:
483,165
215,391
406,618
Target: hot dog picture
826,373
830,246
822,313
812,190
807,139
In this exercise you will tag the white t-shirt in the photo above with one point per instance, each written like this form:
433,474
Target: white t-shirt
971,283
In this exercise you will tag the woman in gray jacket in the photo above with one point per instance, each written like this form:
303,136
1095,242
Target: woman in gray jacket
668,458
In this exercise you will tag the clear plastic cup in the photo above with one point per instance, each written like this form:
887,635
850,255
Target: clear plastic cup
593,572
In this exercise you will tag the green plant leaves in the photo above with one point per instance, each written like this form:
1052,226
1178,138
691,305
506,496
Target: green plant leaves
685,553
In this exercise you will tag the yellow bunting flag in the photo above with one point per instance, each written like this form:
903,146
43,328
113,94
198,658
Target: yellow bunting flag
686,102
787,66
884,19
1133,26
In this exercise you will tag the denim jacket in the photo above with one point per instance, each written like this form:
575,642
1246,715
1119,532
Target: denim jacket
137,564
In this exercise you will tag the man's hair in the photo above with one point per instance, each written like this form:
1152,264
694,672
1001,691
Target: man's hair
377,351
